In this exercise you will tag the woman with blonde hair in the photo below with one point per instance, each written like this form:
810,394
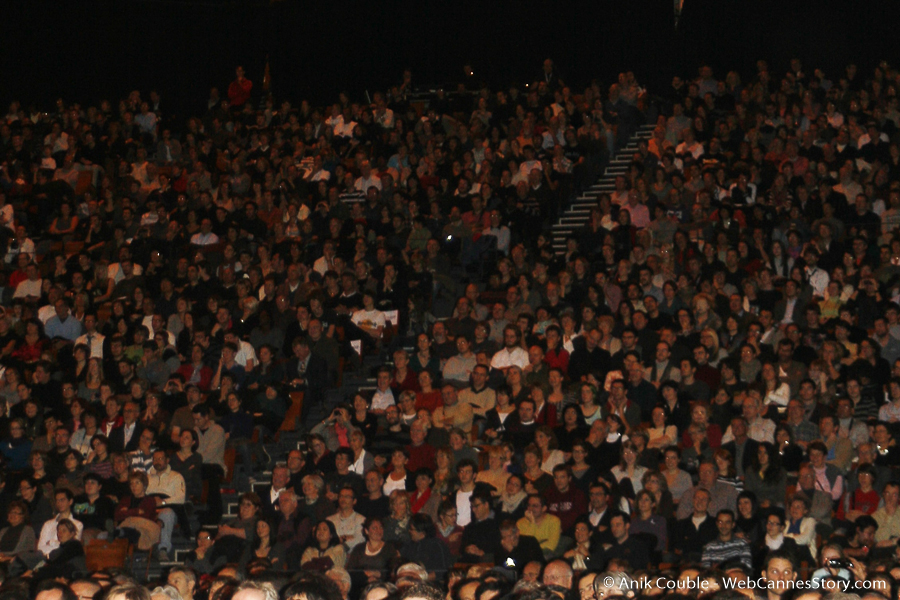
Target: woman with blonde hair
710,340
495,474
396,526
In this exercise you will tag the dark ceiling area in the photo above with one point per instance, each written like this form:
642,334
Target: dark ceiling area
84,51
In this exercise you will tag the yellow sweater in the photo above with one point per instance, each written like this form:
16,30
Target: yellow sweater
546,531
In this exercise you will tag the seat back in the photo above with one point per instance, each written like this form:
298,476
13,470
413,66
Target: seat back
107,554
293,412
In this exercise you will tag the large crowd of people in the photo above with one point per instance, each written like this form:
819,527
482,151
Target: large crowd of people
700,390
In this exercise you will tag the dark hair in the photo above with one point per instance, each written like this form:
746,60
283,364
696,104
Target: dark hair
334,541
93,477
313,586
22,507
466,462
781,554
423,524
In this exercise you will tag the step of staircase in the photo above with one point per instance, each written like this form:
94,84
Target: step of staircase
579,211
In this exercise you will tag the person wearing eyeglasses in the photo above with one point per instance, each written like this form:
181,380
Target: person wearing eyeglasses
481,537
17,447
18,538
774,539
200,558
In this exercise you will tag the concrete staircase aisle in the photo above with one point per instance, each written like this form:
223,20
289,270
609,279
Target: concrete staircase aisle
579,212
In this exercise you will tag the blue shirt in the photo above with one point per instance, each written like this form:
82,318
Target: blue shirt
69,329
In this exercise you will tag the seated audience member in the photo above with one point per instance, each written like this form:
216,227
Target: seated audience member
698,365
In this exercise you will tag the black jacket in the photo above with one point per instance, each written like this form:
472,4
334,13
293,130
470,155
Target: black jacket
528,549
484,534
117,439
689,539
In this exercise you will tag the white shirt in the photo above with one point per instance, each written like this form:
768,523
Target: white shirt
818,279
507,358
463,509
127,432
204,239
49,541
28,288
351,526
95,343
273,494
369,318
114,271
246,354
169,482
760,430
358,467
362,184
381,400
789,307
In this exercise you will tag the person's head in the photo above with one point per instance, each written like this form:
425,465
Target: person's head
249,505
562,478
128,591
707,473
526,410
465,470
780,571
88,589
137,483
183,579
509,534
255,590
619,526
131,412
160,460
725,523
325,534
17,513
798,507
558,573
200,414
891,494
774,524
63,498
535,506
700,502
421,526
817,451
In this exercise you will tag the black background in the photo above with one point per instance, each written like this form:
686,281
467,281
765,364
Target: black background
86,50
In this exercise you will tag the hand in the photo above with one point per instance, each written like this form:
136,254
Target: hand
474,550
858,568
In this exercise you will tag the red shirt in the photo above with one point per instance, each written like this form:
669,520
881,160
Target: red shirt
430,401
558,358
239,91
421,457
409,384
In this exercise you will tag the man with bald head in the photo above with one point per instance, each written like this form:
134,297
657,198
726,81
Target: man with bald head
85,589
559,573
